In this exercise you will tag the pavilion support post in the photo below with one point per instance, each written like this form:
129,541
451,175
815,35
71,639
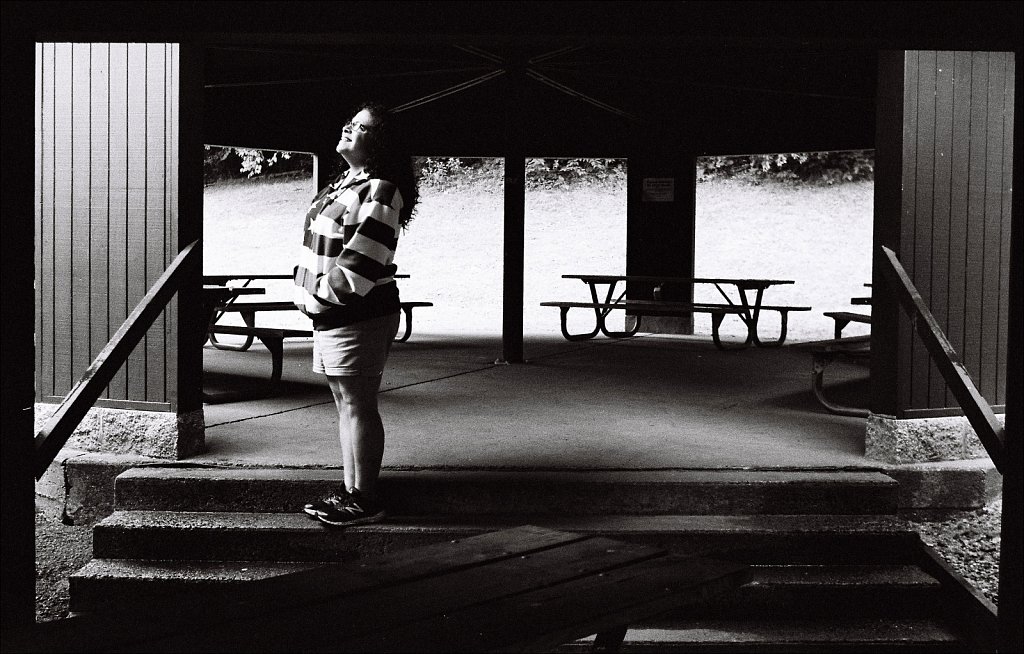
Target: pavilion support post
17,300
189,355
515,234
1011,576
514,231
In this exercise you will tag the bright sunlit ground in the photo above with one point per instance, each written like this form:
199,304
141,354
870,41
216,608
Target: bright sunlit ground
819,236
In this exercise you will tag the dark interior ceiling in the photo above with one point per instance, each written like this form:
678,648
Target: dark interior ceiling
554,78
565,98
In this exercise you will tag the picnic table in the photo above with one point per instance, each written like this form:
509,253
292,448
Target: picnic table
248,311
237,290
739,303
215,295
521,589
844,318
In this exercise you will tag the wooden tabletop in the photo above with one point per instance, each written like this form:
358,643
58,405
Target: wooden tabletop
220,280
607,279
522,589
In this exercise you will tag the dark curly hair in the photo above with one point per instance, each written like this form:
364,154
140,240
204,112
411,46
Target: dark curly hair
387,158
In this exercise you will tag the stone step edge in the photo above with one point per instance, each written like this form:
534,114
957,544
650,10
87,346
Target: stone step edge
739,632
836,576
593,493
753,524
595,475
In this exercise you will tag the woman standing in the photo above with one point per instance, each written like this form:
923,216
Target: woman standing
344,282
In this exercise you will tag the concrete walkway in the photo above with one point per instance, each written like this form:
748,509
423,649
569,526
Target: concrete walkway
649,402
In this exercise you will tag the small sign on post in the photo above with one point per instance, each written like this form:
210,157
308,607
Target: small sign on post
659,189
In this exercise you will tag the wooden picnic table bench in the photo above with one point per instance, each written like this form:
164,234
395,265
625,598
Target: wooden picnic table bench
248,311
747,309
824,353
844,318
525,589
271,337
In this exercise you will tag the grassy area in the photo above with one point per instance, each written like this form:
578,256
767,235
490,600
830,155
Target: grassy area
819,236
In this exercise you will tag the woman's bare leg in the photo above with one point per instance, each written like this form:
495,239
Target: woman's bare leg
360,429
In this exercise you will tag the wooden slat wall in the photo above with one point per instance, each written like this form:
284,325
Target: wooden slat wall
955,223
106,174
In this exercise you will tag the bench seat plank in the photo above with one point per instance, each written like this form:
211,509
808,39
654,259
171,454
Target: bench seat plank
844,318
259,306
437,599
248,311
543,619
640,308
452,598
429,560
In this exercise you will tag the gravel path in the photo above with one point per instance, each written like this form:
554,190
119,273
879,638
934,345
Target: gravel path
969,542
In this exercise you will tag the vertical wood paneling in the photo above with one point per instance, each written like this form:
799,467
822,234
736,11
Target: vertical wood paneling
136,236
117,265
62,251
954,231
941,200
80,214
959,200
1004,250
171,202
37,190
99,208
106,168
905,362
156,211
44,216
976,215
924,204
992,228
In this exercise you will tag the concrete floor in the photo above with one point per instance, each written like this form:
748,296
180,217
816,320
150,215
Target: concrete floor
649,402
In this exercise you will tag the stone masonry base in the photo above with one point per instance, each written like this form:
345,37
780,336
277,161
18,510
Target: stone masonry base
158,434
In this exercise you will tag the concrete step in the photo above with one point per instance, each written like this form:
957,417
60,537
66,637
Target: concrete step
122,584
297,537
827,590
808,591
433,493
838,634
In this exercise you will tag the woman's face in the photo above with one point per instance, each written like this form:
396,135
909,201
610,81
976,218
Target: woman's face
354,142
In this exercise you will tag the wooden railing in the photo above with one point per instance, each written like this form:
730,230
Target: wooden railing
58,429
976,408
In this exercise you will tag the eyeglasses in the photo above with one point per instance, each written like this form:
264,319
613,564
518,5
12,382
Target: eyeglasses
361,128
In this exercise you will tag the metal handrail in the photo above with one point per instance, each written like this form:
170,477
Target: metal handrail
58,429
976,407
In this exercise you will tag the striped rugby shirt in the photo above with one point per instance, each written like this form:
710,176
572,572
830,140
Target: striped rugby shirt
345,270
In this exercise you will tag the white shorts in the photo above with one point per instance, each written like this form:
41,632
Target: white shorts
360,349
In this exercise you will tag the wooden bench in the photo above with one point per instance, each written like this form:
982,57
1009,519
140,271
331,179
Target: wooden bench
856,349
640,308
525,589
844,318
271,337
248,311
407,308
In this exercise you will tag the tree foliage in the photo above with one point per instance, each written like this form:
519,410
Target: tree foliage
220,163
547,174
551,174
820,167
